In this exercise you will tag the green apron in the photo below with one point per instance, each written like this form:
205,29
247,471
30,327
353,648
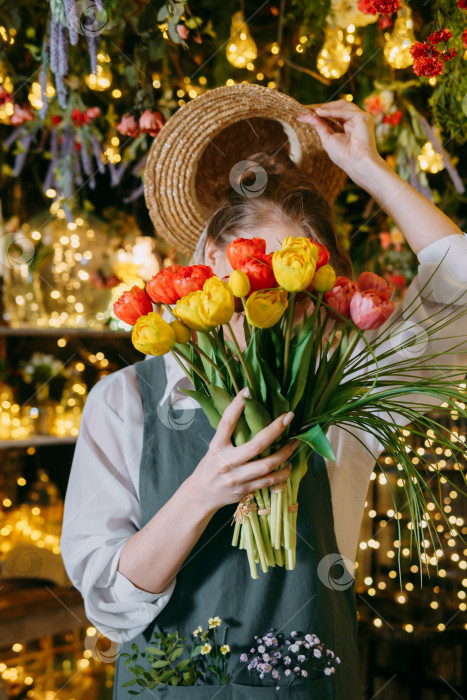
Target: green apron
215,578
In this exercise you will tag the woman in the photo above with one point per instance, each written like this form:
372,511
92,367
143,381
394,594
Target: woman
146,535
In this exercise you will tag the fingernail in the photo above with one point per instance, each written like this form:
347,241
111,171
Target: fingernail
246,392
288,417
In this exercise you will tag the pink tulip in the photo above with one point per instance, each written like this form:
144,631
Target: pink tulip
93,112
150,122
370,281
21,115
370,309
128,126
340,296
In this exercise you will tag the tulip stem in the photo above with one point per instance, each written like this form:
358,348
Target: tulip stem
249,332
242,360
288,334
190,363
217,340
207,358
170,311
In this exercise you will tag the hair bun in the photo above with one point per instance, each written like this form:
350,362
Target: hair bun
276,163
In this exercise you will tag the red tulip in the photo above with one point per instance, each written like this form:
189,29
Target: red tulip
398,281
161,288
323,254
242,248
131,305
340,296
258,268
370,281
191,278
80,118
370,309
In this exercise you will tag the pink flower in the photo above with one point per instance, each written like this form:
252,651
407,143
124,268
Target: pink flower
370,309
128,126
93,112
182,31
385,239
368,281
150,122
375,105
340,296
21,115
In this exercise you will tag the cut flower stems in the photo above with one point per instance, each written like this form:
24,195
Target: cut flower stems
336,355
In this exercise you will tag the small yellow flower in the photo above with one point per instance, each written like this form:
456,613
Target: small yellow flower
239,283
182,332
324,279
187,310
197,631
225,649
206,648
214,622
301,241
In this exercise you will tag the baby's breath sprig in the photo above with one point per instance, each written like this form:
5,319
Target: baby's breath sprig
274,658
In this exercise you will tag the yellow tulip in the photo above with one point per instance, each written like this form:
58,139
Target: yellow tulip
217,303
152,335
300,241
324,279
187,310
266,307
294,266
182,332
239,283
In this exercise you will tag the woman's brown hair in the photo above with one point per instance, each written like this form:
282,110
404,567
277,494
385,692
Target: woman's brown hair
289,198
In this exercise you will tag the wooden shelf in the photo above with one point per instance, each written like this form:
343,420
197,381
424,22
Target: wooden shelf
37,441
63,331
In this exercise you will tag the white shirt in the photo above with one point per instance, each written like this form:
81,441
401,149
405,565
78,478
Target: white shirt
102,508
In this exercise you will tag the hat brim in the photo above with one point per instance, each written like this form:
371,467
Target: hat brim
189,164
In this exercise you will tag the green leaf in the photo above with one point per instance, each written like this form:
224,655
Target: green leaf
159,664
157,651
176,653
206,404
277,403
222,399
182,664
318,441
256,416
197,650
252,356
128,683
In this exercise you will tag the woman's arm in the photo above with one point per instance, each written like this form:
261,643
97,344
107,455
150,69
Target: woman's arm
354,150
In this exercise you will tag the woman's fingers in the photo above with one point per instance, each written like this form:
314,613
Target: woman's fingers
266,465
265,437
320,125
229,420
269,480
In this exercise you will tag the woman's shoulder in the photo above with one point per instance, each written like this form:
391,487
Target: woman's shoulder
116,391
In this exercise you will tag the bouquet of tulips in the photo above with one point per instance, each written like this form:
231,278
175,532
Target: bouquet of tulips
306,362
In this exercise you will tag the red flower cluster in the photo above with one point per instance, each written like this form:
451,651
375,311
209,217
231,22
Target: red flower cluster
464,37
428,60
438,37
249,256
5,96
462,4
382,7
174,282
81,118
149,123
366,301
393,118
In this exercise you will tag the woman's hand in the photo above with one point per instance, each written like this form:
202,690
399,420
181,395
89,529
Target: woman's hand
352,148
226,474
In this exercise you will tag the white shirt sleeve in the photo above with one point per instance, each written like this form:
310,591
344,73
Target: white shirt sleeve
102,509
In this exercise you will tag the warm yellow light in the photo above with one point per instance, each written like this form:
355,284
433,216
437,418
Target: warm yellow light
116,93
334,58
430,160
378,622
241,48
398,42
102,79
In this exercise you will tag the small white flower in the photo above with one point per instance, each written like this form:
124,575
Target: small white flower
214,622
197,631
225,649
327,671
206,648
287,672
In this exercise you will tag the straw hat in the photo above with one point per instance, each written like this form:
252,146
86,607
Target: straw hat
188,170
